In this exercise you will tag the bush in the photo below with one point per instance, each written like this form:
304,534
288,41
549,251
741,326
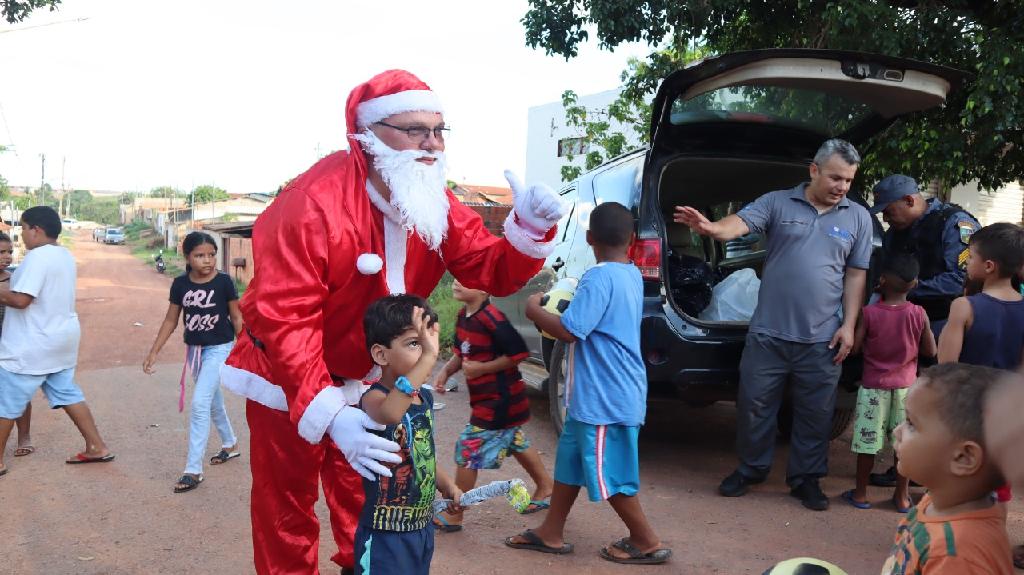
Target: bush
447,309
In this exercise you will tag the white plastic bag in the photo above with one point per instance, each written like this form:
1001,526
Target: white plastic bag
735,298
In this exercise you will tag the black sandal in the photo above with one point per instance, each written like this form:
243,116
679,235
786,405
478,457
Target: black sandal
636,556
188,483
224,456
534,543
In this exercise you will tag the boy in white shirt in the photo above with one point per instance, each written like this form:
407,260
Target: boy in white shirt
41,349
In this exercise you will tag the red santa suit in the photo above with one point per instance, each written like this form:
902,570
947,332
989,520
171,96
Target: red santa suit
323,251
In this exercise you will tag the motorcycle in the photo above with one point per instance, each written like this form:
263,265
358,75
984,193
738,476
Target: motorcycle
161,267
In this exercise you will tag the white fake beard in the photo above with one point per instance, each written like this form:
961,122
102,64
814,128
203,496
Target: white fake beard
417,189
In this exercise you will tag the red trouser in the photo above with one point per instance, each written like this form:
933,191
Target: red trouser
286,470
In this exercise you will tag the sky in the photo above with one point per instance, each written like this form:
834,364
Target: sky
131,95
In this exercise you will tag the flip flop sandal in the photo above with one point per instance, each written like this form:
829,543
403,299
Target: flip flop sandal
3,471
534,543
83,458
536,506
441,524
24,450
1018,554
899,509
187,483
636,556
847,496
224,456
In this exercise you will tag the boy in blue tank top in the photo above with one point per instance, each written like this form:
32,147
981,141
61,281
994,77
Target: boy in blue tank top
395,534
605,395
987,328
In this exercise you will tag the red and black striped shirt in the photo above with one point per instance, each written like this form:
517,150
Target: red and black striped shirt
498,399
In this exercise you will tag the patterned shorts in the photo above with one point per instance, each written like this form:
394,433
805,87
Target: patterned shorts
879,412
479,448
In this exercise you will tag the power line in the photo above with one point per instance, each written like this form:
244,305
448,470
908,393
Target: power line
43,25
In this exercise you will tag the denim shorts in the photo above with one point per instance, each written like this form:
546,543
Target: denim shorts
17,389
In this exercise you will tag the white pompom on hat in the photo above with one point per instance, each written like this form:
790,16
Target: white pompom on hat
386,94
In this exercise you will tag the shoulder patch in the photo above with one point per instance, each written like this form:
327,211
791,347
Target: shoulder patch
966,231
961,260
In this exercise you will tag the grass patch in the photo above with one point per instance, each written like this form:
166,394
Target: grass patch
142,242
447,308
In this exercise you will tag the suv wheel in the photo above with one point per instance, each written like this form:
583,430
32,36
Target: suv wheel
556,385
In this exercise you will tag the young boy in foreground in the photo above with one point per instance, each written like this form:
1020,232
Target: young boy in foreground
956,528
395,534
606,396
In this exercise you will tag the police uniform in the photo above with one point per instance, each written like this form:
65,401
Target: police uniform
938,239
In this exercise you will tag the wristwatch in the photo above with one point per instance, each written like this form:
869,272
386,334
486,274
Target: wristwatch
402,384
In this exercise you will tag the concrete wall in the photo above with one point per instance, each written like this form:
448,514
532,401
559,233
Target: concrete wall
546,126
1004,205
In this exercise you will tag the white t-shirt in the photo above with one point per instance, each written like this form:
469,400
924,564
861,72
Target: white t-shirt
43,337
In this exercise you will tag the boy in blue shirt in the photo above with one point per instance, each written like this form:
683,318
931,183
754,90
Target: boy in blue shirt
605,394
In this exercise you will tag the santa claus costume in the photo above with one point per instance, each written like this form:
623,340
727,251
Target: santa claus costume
327,247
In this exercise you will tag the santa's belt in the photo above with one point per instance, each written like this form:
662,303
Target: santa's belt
338,380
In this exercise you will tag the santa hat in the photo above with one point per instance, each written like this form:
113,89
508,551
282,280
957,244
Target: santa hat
386,94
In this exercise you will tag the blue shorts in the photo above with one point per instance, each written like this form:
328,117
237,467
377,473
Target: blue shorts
381,552
16,390
602,458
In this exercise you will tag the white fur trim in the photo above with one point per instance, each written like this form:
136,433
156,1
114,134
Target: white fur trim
385,207
251,386
525,242
321,412
382,107
369,264
395,238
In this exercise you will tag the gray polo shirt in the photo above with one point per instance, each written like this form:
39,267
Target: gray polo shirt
801,295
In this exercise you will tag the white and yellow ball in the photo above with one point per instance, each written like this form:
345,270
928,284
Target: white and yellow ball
805,566
558,298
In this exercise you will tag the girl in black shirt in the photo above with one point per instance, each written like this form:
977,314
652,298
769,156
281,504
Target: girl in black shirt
212,320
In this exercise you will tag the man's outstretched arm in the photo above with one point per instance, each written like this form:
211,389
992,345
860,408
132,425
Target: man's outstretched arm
725,229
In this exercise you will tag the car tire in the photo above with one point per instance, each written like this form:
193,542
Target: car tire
556,385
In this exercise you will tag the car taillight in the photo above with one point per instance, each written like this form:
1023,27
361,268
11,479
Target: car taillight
646,255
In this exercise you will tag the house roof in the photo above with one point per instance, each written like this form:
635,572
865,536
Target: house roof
472,193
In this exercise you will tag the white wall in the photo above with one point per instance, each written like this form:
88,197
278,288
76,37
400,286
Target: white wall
546,126
1003,205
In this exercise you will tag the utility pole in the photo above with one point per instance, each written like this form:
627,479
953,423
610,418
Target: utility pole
42,178
63,189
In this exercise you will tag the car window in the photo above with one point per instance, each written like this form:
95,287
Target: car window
620,183
569,196
827,114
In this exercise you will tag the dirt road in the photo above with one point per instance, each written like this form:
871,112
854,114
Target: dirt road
123,518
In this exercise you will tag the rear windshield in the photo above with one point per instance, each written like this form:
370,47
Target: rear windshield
826,114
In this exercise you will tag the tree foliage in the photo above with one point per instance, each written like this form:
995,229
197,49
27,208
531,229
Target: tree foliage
17,10
164,192
207,194
978,134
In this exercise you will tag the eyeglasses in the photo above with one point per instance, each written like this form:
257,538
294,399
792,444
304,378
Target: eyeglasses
419,134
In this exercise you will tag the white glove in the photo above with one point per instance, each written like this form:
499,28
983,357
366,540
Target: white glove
363,450
538,207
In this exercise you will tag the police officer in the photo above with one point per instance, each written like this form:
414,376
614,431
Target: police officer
937,234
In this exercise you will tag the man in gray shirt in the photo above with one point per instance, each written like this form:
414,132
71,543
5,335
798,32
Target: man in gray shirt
818,251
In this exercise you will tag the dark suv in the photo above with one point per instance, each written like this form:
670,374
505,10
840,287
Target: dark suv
723,132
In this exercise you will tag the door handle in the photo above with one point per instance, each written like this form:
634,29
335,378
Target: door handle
557,264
